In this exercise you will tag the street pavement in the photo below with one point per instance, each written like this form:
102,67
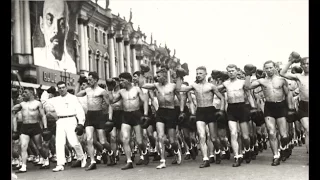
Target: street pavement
295,168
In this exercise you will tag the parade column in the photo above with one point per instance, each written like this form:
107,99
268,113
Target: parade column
16,27
111,52
119,41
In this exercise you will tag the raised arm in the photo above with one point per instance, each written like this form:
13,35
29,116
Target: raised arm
248,85
179,87
284,70
145,102
43,115
183,101
81,93
221,88
16,108
220,96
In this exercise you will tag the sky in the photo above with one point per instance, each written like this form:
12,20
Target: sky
215,33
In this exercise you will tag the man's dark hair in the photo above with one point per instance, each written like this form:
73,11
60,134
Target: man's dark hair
232,66
116,79
51,90
126,75
61,82
71,91
84,80
136,73
31,89
94,75
269,61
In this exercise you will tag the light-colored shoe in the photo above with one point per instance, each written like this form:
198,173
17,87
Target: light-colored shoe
162,164
58,168
40,161
84,161
30,158
36,159
178,156
69,159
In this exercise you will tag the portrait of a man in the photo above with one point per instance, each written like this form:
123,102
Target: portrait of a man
54,26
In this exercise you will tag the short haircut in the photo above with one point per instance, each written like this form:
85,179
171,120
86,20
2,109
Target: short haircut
269,61
126,75
232,66
31,89
61,82
303,60
94,75
85,80
71,91
202,68
116,79
51,90
136,73
162,70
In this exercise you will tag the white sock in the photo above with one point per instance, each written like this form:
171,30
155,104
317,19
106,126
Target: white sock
205,159
211,156
129,161
187,153
141,157
93,161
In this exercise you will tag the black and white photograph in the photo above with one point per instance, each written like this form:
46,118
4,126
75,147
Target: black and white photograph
160,89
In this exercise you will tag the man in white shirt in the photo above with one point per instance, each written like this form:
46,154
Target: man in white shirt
67,111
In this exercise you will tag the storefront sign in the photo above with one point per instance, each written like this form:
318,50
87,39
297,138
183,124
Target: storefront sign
51,77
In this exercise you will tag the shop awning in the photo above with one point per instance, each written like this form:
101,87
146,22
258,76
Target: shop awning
25,84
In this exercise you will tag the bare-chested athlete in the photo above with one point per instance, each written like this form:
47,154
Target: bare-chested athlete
131,96
32,111
95,119
165,116
206,112
275,90
303,83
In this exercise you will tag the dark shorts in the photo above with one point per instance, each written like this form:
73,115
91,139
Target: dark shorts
31,129
223,124
238,112
131,118
117,118
275,109
259,120
96,119
168,117
185,123
303,110
52,127
206,114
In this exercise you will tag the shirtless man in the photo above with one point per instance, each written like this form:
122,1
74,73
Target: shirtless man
303,83
165,116
237,112
206,113
131,96
95,119
275,90
32,111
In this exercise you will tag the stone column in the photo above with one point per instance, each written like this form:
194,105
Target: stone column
82,47
111,52
127,50
154,68
16,27
27,29
133,57
86,48
120,54
107,69
22,26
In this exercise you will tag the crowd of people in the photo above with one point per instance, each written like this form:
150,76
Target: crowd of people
233,112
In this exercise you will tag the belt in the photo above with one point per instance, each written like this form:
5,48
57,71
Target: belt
59,117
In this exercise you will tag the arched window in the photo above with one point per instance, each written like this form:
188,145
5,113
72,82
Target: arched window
104,38
96,35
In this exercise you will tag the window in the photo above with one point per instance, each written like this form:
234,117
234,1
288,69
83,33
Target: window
104,38
96,35
88,31
97,65
105,70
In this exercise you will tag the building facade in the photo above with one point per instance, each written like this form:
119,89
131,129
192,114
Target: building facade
48,47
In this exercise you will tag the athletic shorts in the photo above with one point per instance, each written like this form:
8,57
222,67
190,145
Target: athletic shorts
238,112
150,115
259,120
131,118
303,110
185,123
52,127
19,124
276,109
206,114
223,124
168,117
96,119
117,118
31,129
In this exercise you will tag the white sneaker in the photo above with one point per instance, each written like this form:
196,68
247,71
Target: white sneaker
30,158
69,159
58,168
15,161
40,161
162,164
178,156
36,159
84,161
